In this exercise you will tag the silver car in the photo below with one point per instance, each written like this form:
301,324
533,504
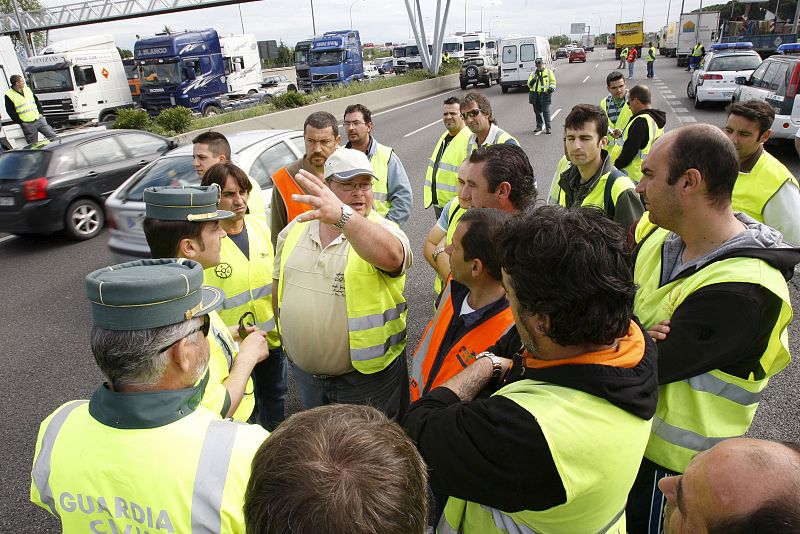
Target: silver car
259,153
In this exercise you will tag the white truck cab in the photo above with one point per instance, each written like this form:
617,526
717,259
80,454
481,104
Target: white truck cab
242,63
80,80
518,55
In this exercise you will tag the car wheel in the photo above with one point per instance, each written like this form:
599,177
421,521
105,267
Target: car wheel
504,88
84,219
698,104
690,89
472,72
251,92
291,89
211,110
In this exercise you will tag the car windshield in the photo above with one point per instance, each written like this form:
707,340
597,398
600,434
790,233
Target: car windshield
469,62
326,58
160,74
472,45
170,171
23,164
51,81
724,63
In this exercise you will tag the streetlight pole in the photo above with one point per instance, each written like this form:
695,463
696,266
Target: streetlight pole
482,7
313,23
495,17
465,16
351,12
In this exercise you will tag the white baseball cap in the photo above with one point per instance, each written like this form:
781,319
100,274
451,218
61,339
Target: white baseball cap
346,163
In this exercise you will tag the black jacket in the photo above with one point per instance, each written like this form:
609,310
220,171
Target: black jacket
638,136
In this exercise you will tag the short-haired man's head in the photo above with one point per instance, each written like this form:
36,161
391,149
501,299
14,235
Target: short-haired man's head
217,143
757,111
339,469
479,242
613,77
582,114
164,237
572,265
15,78
640,93
481,101
137,357
321,120
707,149
360,108
220,172
452,100
507,163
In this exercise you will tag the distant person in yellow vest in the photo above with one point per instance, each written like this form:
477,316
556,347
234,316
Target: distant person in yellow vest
143,453
623,57
24,109
321,138
541,85
765,190
393,196
183,222
340,278
244,273
698,51
573,414
441,177
615,105
712,293
645,126
476,110
651,59
210,148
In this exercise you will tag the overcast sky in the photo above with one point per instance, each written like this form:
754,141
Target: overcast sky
386,20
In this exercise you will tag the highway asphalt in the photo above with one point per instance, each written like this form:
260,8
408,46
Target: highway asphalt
46,321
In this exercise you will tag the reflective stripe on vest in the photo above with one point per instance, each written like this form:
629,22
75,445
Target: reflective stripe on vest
247,283
548,81
696,413
380,186
634,168
209,480
698,50
454,214
754,189
447,170
286,186
496,137
575,424
463,351
42,467
376,307
24,104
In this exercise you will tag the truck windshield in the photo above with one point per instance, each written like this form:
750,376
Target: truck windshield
160,74
472,45
326,58
301,55
451,47
412,51
399,52
52,81
132,72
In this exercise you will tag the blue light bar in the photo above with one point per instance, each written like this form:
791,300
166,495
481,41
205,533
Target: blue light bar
788,48
732,46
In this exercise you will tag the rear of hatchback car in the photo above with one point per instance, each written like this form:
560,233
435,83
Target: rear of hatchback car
775,81
715,79
25,207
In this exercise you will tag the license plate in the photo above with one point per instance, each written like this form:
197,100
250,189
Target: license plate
727,94
473,80
6,201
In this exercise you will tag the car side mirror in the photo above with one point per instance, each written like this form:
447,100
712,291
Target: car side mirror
741,80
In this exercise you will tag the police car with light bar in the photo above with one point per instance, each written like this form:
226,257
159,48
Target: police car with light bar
714,80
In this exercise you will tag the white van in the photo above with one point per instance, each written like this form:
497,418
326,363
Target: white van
80,80
518,57
242,63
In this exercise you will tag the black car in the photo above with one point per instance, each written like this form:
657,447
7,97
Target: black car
61,185
561,52
479,70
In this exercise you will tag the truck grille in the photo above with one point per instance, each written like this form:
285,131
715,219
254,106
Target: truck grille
156,101
57,110
324,77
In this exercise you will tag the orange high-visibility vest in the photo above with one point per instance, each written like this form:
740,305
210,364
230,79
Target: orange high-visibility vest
424,376
287,187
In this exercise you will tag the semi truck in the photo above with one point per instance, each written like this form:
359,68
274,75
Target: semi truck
413,57
587,42
242,64
336,58
668,40
454,46
629,34
399,59
474,44
80,80
695,28
301,52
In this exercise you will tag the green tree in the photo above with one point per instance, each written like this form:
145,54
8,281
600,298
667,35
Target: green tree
559,40
124,53
167,29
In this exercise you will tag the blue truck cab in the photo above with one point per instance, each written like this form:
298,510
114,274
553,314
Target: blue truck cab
336,58
181,69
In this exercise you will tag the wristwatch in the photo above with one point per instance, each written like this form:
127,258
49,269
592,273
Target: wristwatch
436,253
347,212
497,365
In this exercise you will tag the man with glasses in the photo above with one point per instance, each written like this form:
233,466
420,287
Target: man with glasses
392,194
144,448
340,279
477,114
183,222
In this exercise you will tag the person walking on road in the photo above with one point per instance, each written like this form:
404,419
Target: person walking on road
633,53
623,56
24,109
542,84
651,59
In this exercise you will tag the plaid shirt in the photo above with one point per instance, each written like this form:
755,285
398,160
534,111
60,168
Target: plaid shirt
613,108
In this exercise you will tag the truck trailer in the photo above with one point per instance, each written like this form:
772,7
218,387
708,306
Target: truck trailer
696,28
629,34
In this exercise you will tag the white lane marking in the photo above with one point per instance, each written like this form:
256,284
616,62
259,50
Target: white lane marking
597,66
681,110
553,116
584,80
6,238
688,119
420,129
667,92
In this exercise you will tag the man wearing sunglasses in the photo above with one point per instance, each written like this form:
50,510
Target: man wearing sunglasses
340,280
477,114
183,222
144,447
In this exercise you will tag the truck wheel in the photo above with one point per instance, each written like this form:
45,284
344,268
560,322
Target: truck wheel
251,92
291,89
504,88
463,86
108,119
211,110
84,219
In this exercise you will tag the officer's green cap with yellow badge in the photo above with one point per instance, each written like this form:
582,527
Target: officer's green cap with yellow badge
149,294
184,203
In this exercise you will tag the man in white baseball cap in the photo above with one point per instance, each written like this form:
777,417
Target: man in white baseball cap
341,274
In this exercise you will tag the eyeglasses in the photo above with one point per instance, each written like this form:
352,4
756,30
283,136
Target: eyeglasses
351,186
354,124
204,328
471,113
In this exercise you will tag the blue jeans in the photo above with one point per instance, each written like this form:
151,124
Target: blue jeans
650,73
630,69
271,379
385,390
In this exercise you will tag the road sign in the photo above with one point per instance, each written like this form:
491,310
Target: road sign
577,27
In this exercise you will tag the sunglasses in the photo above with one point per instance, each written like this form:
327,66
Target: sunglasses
204,328
471,113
